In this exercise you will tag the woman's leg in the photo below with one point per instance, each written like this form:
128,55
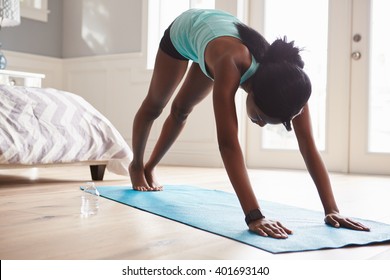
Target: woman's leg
195,88
167,74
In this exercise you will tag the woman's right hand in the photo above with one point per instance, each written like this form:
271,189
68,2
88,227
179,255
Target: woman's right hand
265,227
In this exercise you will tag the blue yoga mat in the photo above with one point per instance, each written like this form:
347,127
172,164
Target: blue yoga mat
220,213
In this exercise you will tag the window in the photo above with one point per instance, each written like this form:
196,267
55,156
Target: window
314,54
34,9
160,14
379,86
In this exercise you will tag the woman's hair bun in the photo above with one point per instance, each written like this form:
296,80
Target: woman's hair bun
282,51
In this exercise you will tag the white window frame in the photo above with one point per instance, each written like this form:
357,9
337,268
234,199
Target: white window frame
29,9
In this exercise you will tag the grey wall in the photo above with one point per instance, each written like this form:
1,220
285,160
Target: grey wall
98,27
78,28
36,37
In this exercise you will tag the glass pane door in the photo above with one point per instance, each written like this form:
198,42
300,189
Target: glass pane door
379,79
347,55
325,50
292,20
370,92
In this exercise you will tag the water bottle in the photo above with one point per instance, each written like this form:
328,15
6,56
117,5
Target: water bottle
89,200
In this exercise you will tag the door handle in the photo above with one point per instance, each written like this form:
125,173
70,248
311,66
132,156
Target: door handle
356,55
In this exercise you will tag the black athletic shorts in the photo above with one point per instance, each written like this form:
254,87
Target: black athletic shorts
167,46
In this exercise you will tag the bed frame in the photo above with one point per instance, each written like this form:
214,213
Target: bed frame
97,168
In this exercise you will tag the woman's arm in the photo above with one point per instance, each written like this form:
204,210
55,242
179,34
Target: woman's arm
226,82
318,171
313,160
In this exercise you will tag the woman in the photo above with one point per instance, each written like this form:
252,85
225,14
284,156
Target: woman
227,55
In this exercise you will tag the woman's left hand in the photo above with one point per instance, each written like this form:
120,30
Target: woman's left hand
336,220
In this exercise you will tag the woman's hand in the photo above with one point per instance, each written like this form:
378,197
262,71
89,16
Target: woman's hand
336,220
265,227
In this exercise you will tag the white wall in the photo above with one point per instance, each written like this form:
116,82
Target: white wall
117,84
51,67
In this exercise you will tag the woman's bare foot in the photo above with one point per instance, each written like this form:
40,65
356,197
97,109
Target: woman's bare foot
139,181
151,179
137,178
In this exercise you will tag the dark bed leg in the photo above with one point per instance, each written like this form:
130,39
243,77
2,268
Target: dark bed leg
97,172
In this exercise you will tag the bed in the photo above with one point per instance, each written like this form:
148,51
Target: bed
42,127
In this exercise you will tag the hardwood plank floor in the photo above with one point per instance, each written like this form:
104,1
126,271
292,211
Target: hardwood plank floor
41,216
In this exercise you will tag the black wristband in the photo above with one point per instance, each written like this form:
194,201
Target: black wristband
253,215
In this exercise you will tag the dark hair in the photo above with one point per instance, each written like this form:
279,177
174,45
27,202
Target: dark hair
280,86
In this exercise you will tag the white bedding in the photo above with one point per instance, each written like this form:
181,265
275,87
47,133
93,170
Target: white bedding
48,126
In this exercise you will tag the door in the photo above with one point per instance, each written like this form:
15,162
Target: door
347,57
370,88
322,29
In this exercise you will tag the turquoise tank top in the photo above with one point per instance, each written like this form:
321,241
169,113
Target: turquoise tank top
194,29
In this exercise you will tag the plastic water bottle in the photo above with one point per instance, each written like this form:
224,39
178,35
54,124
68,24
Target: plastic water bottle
89,200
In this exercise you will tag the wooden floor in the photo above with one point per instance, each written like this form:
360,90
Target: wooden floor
41,216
